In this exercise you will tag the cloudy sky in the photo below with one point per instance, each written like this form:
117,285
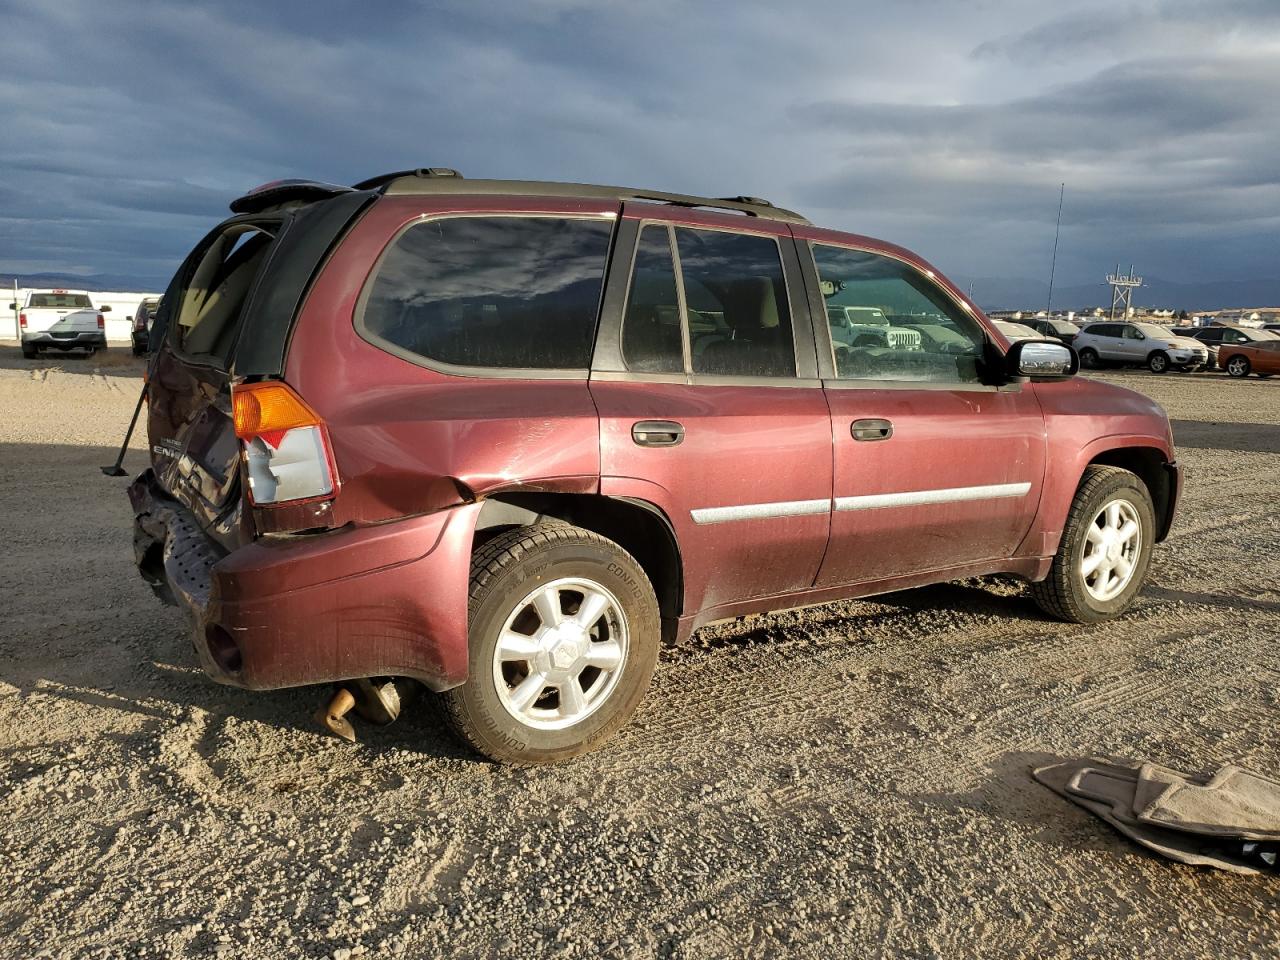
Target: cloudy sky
126,127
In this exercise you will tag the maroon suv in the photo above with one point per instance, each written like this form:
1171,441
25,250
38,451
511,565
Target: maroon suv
504,438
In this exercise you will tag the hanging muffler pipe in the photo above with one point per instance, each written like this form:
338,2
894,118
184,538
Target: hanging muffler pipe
377,700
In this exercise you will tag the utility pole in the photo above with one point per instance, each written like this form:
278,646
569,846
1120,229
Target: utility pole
17,327
1053,265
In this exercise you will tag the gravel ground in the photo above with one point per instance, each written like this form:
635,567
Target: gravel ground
847,780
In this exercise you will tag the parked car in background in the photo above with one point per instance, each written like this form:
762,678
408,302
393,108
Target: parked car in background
1063,330
1140,344
1221,335
1016,331
1271,327
142,321
506,438
61,320
1257,356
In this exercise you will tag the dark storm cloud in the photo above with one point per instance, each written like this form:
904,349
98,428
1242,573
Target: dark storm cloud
125,128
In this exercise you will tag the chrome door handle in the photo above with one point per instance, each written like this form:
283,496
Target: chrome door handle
872,429
657,433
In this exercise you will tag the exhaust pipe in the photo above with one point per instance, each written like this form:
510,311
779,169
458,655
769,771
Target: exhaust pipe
378,701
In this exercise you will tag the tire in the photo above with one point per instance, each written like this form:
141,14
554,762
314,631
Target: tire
1158,362
1089,359
30,353
501,710
1237,366
1065,593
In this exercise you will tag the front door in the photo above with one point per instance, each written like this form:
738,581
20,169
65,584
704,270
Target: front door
933,468
710,407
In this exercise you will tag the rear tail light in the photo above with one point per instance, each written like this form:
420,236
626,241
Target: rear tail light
22,320
102,323
285,443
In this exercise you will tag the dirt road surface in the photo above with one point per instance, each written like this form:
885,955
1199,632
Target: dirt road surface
849,780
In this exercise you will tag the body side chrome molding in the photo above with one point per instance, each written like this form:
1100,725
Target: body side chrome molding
760,511
877,501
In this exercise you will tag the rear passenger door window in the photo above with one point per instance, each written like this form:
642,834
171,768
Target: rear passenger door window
889,322
715,304
499,292
736,303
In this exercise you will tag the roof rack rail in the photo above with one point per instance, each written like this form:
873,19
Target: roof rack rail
753,201
427,182
424,173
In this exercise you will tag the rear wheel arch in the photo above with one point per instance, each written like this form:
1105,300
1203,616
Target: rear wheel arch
1151,467
639,527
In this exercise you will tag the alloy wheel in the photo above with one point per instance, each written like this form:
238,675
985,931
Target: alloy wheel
560,653
1111,550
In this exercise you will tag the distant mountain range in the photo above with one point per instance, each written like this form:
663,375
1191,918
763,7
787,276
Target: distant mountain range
999,293
96,281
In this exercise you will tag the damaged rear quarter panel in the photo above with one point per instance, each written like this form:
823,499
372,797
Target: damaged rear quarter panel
409,439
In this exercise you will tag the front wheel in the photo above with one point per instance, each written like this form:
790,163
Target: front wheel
1089,359
563,634
1105,550
1158,362
1238,367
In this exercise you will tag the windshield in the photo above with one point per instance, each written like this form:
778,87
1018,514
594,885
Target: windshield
60,301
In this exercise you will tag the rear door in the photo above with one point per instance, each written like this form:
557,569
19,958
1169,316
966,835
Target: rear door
194,450
710,408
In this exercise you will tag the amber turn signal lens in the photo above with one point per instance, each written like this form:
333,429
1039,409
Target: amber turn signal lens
269,408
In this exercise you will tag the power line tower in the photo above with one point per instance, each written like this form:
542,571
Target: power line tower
1122,287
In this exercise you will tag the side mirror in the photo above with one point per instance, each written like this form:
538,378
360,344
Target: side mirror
105,308
1041,361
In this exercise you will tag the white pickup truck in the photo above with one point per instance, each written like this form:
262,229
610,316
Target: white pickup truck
61,320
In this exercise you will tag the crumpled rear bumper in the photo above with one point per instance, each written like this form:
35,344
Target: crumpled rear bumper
387,600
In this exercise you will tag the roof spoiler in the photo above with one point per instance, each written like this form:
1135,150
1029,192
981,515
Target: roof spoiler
284,191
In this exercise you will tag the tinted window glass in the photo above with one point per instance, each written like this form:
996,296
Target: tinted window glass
517,292
890,323
60,301
651,337
739,324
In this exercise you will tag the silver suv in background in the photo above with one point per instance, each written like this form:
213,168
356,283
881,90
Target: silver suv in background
1145,344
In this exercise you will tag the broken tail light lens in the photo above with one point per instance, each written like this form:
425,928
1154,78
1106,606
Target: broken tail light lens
285,444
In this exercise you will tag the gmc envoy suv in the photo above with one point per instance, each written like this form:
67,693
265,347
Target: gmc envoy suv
505,439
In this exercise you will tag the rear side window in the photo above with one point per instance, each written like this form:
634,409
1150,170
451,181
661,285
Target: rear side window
60,301
505,292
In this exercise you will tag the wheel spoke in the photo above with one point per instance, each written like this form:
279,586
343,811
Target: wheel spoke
1127,531
572,701
1093,562
593,604
516,646
1123,568
547,603
1113,514
1095,533
604,656
528,690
